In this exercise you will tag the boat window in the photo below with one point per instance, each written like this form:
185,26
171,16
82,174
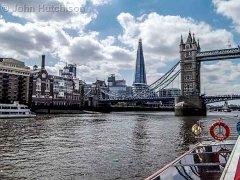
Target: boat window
6,107
5,112
13,107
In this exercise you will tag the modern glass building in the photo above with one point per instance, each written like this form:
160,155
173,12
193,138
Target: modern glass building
140,73
140,81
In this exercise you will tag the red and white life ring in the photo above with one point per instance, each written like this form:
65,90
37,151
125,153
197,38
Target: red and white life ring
220,136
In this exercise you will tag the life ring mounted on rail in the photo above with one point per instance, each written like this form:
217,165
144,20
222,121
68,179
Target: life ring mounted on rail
220,135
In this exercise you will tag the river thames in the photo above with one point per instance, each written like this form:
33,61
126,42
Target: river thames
126,145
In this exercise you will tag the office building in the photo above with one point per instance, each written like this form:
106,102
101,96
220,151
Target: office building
170,92
118,87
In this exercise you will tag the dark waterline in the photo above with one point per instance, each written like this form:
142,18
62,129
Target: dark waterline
129,145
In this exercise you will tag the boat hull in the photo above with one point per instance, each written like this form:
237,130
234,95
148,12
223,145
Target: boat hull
17,116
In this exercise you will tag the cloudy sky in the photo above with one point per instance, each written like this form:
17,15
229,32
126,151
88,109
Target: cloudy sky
101,36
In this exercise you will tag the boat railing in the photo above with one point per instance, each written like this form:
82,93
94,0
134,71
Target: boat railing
199,161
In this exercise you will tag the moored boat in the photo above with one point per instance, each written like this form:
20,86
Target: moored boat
15,110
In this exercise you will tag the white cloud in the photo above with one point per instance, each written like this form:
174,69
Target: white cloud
96,58
220,78
60,13
30,40
230,9
100,2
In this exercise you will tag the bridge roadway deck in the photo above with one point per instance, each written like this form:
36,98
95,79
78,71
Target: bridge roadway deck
222,54
220,98
207,99
138,99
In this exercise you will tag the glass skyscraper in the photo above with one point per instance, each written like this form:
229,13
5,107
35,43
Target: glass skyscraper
140,73
140,81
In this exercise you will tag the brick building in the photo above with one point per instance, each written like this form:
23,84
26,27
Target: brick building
40,86
50,90
14,81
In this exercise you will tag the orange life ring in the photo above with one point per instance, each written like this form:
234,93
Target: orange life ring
220,136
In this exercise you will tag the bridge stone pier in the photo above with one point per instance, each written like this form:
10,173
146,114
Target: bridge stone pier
190,106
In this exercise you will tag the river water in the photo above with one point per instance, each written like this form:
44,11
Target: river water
127,145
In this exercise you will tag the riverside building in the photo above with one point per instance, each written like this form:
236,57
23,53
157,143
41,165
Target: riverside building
170,92
14,81
66,87
40,90
118,87
51,90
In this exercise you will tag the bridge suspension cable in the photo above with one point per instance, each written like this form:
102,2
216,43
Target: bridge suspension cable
172,78
160,81
165,80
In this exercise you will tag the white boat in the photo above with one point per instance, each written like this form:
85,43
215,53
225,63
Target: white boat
15,110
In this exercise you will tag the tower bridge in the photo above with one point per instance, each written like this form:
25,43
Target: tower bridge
191,57
191,102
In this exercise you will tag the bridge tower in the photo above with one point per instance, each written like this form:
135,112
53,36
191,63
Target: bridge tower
190,67
190,102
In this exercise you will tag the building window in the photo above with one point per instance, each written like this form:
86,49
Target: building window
188,87
187,77
48,85
188,67
38,84
188,54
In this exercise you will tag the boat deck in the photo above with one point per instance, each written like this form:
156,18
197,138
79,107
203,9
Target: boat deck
205,160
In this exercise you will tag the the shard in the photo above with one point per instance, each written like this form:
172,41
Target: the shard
140,82
140,73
